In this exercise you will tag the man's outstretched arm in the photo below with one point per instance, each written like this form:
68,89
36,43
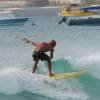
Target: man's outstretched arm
29,41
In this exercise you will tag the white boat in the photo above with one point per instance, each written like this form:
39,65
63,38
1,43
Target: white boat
7,18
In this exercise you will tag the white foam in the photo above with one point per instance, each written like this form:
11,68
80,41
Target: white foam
90,62
14,81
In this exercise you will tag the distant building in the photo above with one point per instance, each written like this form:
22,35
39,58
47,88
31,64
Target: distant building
64,1
74,2
91,1
40,2
12,3
23,3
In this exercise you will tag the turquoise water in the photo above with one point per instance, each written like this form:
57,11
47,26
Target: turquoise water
77,48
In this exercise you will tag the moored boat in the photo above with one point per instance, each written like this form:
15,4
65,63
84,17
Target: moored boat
91,7
74,11
87,20
7,18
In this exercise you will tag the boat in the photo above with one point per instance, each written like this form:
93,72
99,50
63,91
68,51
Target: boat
91,7
85,20
76,16
13,21
74,11
7,18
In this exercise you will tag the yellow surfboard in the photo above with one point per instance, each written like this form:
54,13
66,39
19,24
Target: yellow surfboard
69,75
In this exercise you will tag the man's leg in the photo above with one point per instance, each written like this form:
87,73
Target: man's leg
48,59
35,66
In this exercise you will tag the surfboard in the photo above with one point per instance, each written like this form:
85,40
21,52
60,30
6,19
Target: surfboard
69,74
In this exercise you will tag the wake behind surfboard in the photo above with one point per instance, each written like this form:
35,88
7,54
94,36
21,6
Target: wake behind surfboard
69,74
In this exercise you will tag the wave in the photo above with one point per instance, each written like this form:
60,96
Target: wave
15,80
90,62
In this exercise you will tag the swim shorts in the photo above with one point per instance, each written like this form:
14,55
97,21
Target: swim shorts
39,56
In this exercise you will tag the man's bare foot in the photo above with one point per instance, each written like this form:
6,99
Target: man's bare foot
52,74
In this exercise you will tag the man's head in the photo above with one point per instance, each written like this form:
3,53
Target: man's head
53,43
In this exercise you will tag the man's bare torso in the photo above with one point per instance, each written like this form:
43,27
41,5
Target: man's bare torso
45,47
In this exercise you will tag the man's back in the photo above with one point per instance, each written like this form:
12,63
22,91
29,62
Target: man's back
45,47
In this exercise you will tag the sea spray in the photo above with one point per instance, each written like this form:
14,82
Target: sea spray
90,62
15,80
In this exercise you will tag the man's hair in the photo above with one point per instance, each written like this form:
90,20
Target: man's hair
53,43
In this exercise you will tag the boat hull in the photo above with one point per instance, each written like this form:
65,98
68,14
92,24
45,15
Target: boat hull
13,21
92,7
86,21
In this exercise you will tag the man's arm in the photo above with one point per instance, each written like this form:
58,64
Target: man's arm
51,54
29,41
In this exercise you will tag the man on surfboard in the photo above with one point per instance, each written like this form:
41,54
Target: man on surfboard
39,53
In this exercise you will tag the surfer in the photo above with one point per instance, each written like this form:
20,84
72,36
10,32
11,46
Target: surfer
40,53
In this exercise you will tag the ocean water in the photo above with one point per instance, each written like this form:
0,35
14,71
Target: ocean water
78,47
